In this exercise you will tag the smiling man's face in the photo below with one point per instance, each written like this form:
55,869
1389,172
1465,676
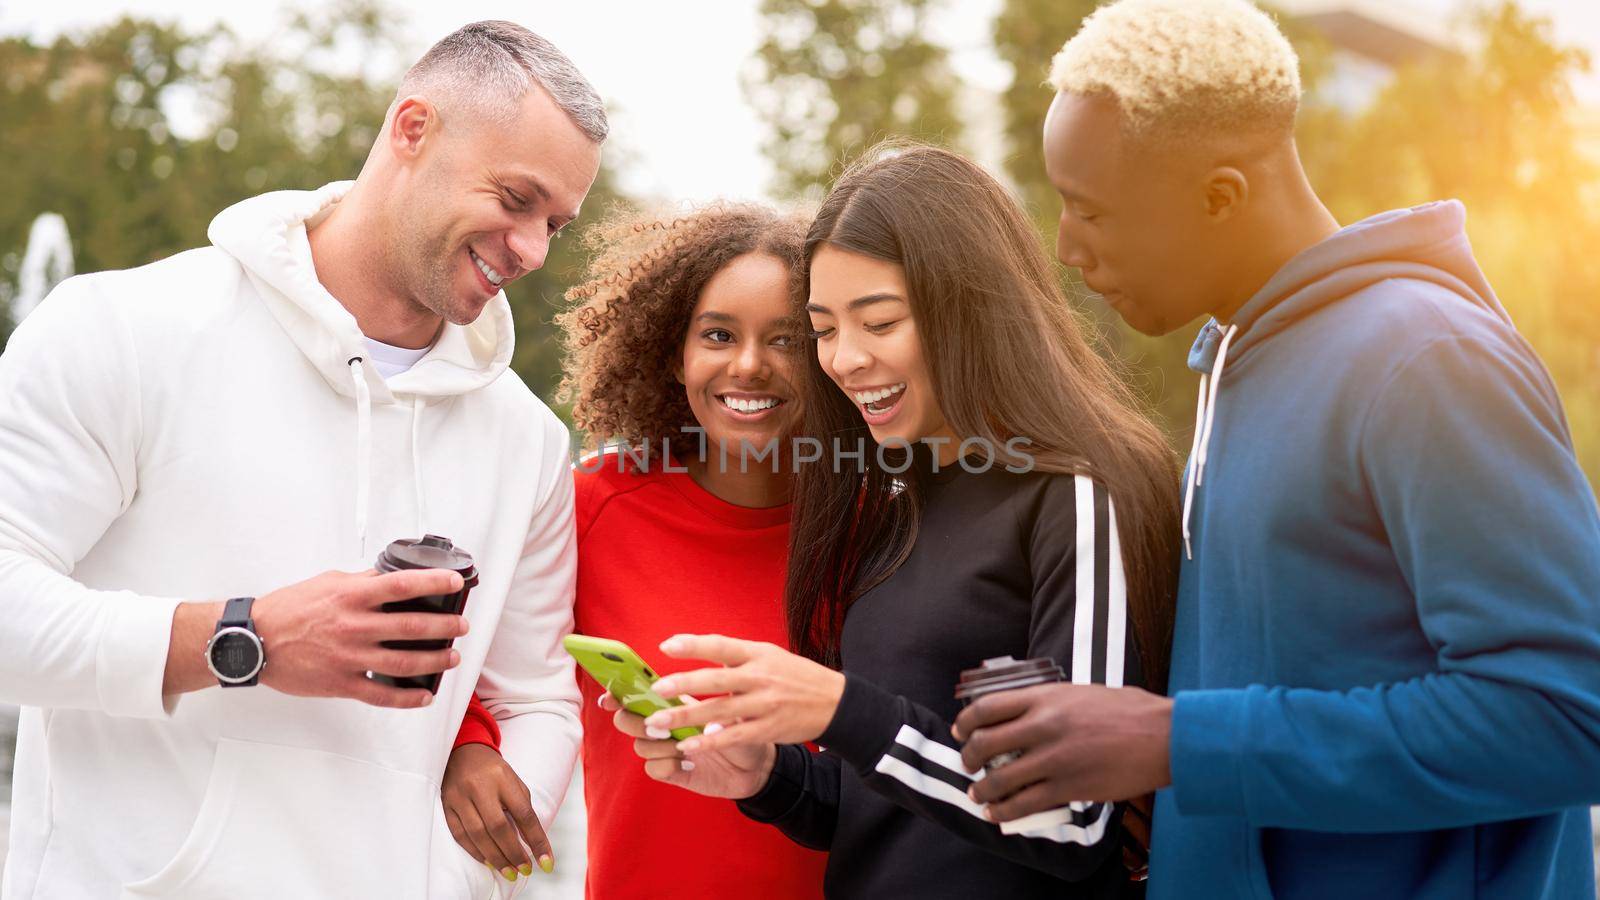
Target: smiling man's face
1133,217
479,207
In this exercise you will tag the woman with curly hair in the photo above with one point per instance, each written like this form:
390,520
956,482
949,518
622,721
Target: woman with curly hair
680,346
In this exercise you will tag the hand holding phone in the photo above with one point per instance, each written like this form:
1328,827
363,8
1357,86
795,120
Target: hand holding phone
732,774
625,675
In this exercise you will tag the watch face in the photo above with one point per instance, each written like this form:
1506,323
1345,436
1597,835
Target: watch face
234,654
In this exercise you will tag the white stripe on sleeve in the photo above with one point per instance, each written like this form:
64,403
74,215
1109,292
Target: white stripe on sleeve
1083,621
932,750
928,786
1117,609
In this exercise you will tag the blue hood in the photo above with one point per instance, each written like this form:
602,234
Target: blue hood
1426,243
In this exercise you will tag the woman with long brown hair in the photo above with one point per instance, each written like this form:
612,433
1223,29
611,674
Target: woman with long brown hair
988,487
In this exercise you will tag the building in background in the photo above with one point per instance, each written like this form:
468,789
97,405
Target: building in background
1370,40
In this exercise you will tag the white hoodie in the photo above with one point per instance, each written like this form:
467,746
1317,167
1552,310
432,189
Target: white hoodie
201,428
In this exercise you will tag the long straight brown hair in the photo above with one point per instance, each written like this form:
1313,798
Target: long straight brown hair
1008,359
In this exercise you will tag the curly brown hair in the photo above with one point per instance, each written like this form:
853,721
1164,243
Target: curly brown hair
623,333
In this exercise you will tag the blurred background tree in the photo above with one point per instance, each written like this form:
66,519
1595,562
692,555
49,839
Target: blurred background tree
834,76
1027,34
1489,123
1494,128
138,133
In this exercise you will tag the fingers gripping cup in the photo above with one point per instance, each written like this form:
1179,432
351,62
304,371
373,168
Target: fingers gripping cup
1004,673
429,552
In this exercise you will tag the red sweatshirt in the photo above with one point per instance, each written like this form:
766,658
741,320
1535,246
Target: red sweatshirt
658,556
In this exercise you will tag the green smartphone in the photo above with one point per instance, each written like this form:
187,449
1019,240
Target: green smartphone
621,671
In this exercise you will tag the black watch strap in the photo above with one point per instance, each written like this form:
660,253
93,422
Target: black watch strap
236,614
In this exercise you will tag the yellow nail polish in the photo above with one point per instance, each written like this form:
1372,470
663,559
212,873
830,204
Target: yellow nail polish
526,869
547,864
509,873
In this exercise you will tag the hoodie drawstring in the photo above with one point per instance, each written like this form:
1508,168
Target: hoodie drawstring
358,373
1205,416
416,461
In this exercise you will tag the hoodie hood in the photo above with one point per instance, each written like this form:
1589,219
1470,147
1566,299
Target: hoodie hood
1424,243
267,235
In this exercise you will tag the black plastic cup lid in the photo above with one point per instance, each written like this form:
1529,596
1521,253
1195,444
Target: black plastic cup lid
429,552
1004,673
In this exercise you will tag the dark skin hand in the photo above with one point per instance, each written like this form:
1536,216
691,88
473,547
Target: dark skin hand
1078,743
490,812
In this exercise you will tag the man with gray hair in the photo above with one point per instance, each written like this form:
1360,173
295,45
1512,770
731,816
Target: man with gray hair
329,376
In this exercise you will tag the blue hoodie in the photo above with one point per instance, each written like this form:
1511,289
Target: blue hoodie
1387,656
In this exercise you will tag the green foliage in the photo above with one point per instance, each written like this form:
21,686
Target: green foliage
90,134
102,129
1489,125
1027,34
1493,128
834,76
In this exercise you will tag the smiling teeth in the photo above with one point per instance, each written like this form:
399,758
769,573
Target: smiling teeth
865,397
749,406
495,278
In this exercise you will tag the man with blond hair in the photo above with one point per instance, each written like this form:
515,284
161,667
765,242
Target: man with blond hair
1386,664
185,445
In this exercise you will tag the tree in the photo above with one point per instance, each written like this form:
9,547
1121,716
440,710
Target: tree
1027,34
1509,102
91,132
1492,126
833,76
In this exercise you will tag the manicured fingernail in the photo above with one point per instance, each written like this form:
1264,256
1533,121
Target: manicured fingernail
686,766
664,687
713,728
671,644
427,699
509,873
547,863
656,734
690,745
655,720
600,701
526,869
988,815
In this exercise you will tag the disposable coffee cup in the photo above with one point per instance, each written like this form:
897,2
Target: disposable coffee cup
428,552
1005,673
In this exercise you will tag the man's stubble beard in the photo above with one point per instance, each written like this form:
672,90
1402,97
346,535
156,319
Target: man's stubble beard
427,285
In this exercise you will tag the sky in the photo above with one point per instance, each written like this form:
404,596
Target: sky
670,71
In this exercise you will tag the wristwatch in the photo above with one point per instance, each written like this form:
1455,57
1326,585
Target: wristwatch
235,653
